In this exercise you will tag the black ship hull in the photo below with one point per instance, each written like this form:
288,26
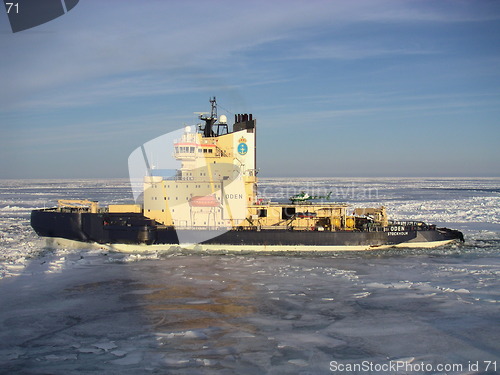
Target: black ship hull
133,229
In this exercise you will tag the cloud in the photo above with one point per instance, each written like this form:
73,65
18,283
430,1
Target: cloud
349,52
123,48
122,38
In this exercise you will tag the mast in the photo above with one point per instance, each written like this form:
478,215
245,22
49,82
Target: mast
208,131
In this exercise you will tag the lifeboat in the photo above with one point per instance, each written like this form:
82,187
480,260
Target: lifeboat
204,201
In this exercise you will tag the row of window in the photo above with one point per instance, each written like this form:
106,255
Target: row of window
191,150
217,186
165,198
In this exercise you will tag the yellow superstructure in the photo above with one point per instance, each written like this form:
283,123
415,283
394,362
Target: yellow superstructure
214,185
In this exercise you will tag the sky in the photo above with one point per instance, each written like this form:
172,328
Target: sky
339,88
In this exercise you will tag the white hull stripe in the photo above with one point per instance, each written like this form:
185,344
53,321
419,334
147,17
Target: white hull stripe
133,248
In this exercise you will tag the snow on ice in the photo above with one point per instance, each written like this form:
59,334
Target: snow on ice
89,310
